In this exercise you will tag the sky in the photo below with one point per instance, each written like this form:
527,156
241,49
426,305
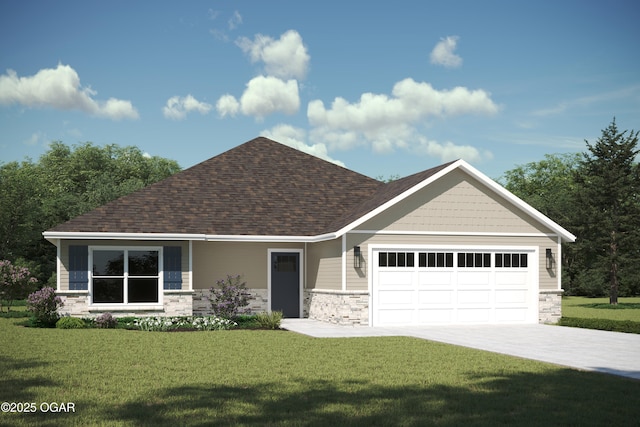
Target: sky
383,88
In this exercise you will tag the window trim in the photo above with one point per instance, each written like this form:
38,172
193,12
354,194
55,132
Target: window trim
126,305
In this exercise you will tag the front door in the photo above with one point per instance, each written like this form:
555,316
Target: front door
285,283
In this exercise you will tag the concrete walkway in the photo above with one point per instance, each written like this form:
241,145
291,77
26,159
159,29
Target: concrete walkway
600,351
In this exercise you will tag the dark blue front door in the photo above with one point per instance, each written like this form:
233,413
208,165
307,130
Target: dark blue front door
285,283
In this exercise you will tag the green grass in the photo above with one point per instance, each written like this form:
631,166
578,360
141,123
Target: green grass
599,308
256,378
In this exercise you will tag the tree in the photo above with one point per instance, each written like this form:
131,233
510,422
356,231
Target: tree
608,203
15,283
66,182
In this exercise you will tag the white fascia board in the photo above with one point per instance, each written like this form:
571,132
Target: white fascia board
397,199
268,239
515,200
503,192
67,235
52,236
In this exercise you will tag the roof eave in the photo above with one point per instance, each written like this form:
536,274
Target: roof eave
564,234
53,236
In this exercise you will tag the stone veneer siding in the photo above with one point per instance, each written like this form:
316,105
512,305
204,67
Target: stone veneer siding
550,306
175,303
349,308
258,301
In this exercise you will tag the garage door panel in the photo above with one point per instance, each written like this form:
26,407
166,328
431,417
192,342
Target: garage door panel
396,317
435,316
391,278
473,278
486,288
435,278
435,297
474,297
387,298
476,315
512,296
511,278
511,314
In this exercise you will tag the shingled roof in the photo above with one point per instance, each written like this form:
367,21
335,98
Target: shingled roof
258,188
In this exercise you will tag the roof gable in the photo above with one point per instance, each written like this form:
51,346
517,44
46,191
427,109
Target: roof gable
387,197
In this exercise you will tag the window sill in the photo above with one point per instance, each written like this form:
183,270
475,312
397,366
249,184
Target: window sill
126,307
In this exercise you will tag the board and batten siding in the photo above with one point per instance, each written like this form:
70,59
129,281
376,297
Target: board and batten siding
64,255
213,261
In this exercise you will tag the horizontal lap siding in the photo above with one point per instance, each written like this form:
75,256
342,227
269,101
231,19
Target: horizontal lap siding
456,203
213,261
325,265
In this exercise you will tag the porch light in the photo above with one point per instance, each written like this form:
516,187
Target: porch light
549,259
357,257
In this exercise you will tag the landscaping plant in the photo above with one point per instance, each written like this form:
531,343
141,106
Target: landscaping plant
105,321
269,320
229,298
44,305
70,323
15,283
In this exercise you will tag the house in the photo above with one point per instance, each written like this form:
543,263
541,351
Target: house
313,239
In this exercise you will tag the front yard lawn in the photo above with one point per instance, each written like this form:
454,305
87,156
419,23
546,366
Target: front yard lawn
256,378
597,313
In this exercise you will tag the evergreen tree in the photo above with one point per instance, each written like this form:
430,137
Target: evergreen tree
607,227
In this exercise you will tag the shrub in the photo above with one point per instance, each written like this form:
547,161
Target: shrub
43,305
15,283
628,326
70,323
105,320
229,298
269,320
207,323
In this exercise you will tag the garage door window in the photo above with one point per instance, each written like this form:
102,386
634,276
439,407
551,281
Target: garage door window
435,259
396,259
474,259
511,260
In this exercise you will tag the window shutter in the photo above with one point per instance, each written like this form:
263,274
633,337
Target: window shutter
78,268
172,266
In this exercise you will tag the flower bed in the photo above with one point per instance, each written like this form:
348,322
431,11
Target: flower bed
206,323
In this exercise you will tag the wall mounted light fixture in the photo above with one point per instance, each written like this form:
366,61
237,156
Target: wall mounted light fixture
549,259
357,257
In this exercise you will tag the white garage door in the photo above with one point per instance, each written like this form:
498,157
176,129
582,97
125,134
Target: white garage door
433,286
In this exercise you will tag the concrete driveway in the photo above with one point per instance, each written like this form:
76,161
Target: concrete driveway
600,351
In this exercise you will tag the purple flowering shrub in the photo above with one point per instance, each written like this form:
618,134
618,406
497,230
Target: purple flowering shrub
15,283
229,298
105,320
43,305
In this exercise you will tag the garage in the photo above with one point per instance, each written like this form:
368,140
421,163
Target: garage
422,285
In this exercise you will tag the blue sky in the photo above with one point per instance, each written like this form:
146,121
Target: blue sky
390,88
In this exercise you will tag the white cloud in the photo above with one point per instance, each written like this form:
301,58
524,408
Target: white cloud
227,105
442,53
263,96
284,58
60,88
235,20
387,122
177,108
450,151
295,137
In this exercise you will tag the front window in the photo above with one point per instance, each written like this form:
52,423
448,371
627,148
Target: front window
123,276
